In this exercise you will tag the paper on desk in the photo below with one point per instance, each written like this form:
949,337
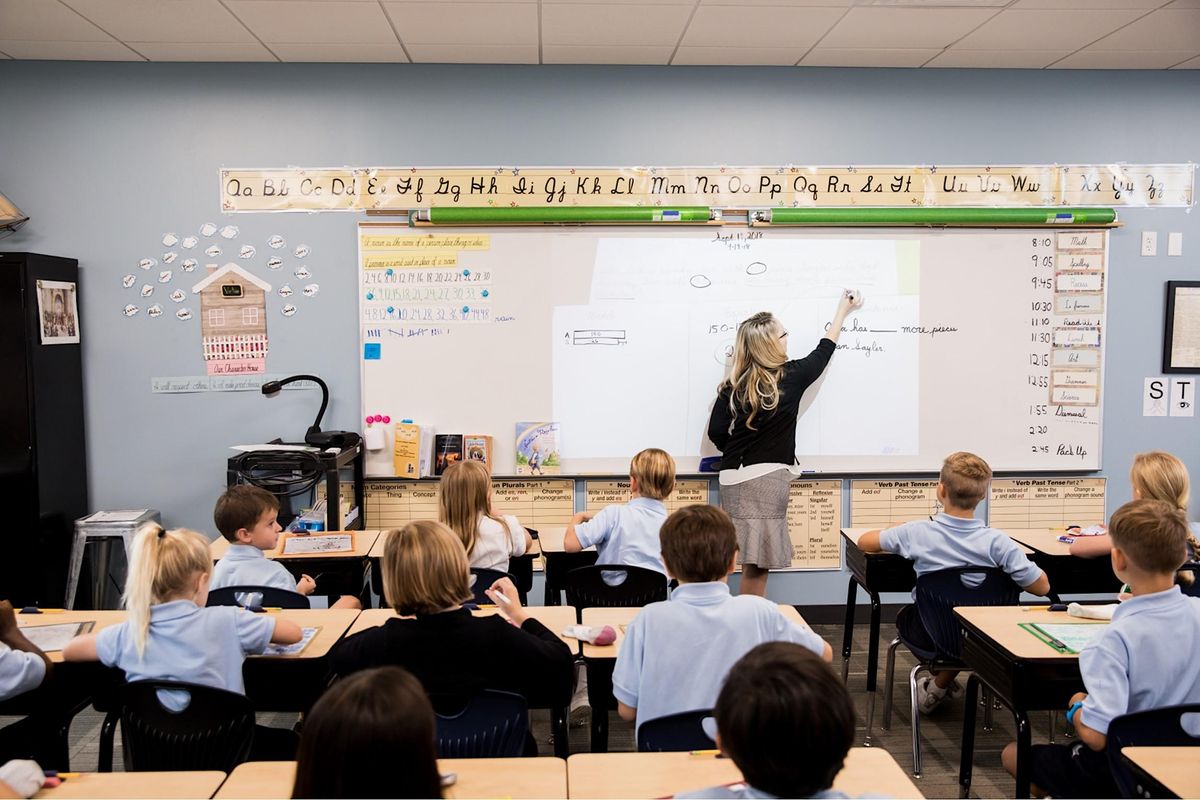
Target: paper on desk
1075,635
54,637
116,516
292,649
329,543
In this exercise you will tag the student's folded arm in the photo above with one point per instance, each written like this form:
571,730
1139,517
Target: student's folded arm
1092,738
627,713
286,632
571,540
1040,587
869,542
81,648
543,643
1091,546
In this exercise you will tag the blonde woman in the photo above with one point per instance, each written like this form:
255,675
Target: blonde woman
452,652
753,424
465,506
1155,475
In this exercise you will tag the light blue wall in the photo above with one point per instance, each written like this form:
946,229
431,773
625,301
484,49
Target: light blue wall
107,157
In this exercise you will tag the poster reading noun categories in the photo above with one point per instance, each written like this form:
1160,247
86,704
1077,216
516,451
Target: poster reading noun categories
815,523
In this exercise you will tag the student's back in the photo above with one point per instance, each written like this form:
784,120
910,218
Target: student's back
465,506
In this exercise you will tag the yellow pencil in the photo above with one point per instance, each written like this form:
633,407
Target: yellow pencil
704,753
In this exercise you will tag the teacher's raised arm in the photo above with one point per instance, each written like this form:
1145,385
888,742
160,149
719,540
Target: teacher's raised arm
753,424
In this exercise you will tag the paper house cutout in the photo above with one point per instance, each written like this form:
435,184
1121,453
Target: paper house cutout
233,321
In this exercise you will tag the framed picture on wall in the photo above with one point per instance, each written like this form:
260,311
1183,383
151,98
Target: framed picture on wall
59,312
1181,341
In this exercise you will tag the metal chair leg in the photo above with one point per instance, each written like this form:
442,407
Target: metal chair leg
1050,722
107,734
987,709
916,720
889,678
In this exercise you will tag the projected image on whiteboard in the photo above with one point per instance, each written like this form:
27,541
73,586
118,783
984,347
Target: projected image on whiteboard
640,364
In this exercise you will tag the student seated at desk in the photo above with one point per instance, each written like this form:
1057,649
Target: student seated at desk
247,516
371,735
1144,659
677,652
953,538
453,653
465,506
628,533
169,635
1155,476
23,668
787,722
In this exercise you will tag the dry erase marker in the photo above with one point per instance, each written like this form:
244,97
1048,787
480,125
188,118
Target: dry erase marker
500,596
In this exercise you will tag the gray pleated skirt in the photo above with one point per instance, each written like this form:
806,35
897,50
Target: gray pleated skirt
759,511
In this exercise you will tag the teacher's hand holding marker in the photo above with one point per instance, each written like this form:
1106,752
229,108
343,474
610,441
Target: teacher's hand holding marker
753,424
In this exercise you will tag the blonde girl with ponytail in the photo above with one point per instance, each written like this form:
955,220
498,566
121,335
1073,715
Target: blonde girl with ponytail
168,633
1155,475
465,507
753,424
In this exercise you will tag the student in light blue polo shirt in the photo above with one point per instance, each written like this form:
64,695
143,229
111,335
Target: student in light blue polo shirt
169,634
247,517
676,653
1144,659
628,534
953,538
23,668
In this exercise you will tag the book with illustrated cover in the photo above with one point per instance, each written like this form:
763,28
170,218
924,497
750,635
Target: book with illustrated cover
537,448
447,450
477,447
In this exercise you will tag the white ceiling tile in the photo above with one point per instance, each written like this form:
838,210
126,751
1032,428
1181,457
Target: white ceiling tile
473,53
164,21
46,21
605,54
68,51
910,28
593,23
193,51
737,56
1084,5
341,53
1044,30
1119,59
866,57
460,23
328,21
998,59
759,26
1190,64
1166,30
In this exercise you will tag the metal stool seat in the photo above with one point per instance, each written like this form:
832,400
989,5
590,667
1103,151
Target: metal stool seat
102,528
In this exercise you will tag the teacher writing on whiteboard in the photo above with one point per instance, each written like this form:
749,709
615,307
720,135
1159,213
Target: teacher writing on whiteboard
753,424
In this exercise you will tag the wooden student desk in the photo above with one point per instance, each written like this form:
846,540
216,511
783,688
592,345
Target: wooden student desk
335,573
602,659
477,777
558,562
137,785
868,771
1025,673
363,542
1166,770
99,619
1068,574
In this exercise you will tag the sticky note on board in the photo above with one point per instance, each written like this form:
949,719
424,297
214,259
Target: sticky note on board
372,351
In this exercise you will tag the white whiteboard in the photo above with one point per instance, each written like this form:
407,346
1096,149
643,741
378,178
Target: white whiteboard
983,340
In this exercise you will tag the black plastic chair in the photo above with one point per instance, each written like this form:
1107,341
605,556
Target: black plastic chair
484,578
214,732
586,587
937,593
271,597
675,732
1160,727
1194,589
493,724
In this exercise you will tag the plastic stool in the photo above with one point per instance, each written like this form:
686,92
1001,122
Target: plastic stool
102,528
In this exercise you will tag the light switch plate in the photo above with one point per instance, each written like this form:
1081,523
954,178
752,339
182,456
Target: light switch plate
1175,243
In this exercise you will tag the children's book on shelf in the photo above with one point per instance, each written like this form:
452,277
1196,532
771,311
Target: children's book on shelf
537,448
477,447
412,449
447,450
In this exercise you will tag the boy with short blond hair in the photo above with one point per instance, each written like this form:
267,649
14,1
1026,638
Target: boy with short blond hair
953,538
677,652
628,534
1144,659
246,516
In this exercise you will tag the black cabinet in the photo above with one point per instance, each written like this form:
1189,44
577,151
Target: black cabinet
43,465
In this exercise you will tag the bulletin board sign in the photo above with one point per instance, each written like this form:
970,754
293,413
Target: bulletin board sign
1181,338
